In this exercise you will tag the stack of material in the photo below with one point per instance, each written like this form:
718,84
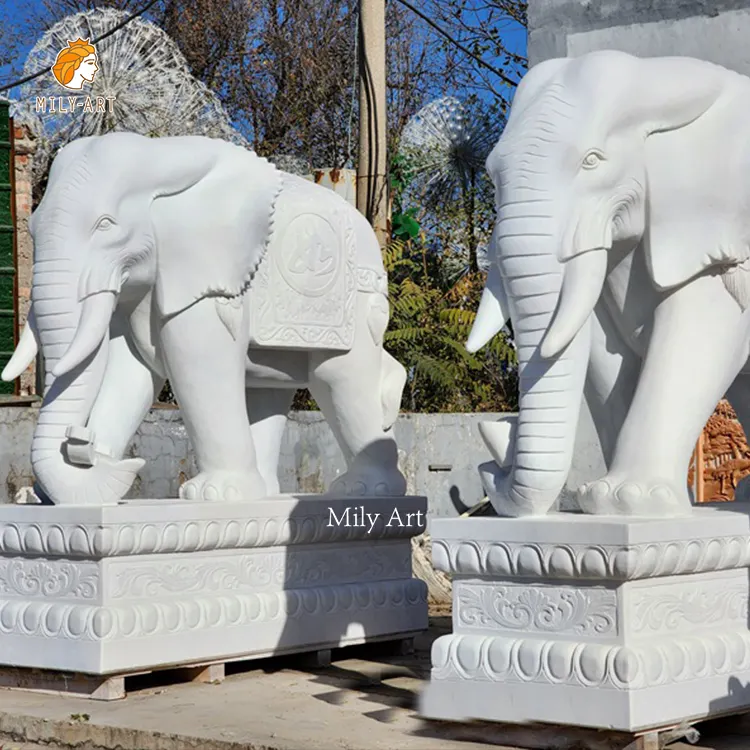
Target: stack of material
726,455
438,583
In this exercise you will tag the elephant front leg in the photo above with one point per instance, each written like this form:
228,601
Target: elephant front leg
127,393
205,363
696,349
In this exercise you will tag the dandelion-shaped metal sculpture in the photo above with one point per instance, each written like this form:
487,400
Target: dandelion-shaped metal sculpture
446,145
294,164
137,76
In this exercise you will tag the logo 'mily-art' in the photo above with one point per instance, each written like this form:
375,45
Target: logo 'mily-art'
76,65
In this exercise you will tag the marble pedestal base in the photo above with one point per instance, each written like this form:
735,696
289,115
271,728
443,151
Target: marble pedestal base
155,583
591,621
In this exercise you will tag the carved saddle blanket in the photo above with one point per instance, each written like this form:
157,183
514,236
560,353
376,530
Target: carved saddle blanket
304,291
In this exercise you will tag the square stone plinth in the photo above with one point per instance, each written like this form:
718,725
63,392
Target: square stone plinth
603,622
103,590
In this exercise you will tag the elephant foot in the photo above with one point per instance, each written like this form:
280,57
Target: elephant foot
227,486
366,479
623,496
495,484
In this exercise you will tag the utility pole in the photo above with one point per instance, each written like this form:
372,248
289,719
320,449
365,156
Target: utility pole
372,186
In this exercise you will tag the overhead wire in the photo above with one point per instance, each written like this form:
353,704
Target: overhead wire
355,58
365,73
458,44
373,153
109,32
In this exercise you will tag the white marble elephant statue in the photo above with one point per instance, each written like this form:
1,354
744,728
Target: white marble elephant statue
196,260
622,256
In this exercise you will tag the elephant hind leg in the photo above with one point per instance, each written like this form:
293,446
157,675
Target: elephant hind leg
611,380
355,391
267,409
393,380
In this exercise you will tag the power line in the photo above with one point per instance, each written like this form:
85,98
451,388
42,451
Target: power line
458,44
350,129
124,22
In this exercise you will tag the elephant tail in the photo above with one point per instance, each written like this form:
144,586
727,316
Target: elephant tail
393,380
392,373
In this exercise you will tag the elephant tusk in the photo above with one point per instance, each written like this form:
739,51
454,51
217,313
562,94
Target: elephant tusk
500,439
23,356
581,287
492,314
96,314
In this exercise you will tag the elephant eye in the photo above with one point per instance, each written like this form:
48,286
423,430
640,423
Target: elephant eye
592,160
105,223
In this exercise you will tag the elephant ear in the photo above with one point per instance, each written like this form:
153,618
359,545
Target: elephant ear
695,185
211,237
696,216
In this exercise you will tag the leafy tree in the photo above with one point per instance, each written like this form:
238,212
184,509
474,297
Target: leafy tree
286,72
430,321
494,31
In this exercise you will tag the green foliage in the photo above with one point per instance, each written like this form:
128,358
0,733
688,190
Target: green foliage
430,321
404,223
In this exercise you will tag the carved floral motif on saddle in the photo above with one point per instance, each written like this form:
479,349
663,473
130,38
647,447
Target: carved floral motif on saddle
303,295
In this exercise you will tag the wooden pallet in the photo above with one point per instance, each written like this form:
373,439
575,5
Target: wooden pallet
115,686
101,687
554,737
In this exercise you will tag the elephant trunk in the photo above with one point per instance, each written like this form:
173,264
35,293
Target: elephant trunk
66,468
541,293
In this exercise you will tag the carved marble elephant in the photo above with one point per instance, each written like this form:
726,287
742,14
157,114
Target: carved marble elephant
622,256
195,260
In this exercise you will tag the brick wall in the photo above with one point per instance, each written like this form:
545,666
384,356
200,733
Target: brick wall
24,148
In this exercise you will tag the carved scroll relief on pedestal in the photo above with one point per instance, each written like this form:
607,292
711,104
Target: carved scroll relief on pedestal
527,608
714,602
303,294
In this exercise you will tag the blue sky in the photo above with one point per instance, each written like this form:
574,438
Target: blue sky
16,15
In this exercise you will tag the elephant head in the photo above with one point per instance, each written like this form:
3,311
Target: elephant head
106,228
572,173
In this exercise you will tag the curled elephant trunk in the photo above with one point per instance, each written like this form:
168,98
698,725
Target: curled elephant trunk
541,295
74,338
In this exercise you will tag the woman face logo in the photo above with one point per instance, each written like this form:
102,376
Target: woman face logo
88,68
76,64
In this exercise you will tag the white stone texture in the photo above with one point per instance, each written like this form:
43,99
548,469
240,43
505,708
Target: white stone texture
152,583
617,623
205,264
620,256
